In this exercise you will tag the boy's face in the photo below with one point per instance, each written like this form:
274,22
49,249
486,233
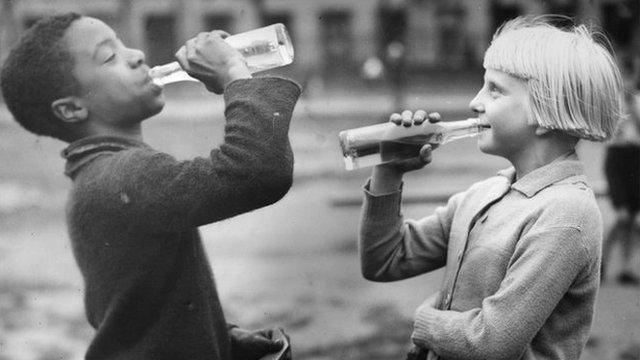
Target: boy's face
501,104
114,80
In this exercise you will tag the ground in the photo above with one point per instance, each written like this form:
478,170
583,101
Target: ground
293,264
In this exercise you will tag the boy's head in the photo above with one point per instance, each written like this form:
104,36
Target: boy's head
572,80
70,76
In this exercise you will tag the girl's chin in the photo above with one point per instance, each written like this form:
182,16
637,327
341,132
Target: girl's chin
484,143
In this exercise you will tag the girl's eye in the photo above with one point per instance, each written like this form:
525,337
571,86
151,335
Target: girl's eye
494,90
110,58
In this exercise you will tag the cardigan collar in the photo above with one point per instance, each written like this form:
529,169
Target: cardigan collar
83,151
547,175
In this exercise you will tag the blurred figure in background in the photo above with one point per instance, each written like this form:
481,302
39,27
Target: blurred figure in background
622,170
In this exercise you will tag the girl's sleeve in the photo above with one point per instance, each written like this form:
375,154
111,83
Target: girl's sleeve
392,248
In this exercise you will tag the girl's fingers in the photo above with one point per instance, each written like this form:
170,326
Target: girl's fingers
407,116
419,117
395,118
434,117
425,154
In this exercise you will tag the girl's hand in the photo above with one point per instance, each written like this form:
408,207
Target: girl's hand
410,156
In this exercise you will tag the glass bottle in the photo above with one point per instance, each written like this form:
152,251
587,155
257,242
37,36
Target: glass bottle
361,146
264,48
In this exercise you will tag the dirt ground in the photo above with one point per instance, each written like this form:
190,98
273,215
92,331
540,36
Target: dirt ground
293,264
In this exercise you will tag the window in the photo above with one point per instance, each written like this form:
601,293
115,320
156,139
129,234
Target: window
283,18
337,41
219,22
160,36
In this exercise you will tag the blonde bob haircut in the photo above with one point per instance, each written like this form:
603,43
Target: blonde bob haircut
573,81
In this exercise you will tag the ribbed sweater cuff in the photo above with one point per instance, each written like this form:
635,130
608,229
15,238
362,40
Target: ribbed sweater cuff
423,327
381,207
245,87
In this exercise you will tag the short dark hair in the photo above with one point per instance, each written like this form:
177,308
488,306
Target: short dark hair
38,71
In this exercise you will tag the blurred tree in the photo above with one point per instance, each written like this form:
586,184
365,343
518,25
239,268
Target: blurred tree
261,12
8,27
620,21
125,21
392,45
8,30
563,7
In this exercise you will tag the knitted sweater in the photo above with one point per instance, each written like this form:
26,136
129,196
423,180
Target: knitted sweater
521,258
133,214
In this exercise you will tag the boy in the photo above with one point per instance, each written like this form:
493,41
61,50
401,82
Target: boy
133,212
521,250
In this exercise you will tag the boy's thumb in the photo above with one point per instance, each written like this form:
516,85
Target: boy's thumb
275,345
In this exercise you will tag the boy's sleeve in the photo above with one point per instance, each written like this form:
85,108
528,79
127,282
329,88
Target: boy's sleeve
252,168
543,267
392,248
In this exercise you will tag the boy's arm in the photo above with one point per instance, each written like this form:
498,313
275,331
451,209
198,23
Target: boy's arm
392,248
252,168
543,267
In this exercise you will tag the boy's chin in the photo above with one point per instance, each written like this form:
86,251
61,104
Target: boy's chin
156,107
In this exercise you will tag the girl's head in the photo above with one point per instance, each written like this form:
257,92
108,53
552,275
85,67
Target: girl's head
572,80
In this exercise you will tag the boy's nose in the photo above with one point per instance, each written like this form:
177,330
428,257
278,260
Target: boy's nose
136,58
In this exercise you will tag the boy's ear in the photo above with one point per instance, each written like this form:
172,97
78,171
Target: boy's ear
70,109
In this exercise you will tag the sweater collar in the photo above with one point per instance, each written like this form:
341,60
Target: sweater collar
545,176
81,152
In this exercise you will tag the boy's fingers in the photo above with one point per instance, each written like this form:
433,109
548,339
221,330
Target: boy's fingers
223,34
419,116
190,46
181,56
434,117
395,118
203,36
407,118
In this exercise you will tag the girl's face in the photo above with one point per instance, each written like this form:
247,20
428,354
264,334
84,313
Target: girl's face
501,105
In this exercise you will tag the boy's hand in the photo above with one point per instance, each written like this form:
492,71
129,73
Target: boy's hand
253,345
208,58
389,150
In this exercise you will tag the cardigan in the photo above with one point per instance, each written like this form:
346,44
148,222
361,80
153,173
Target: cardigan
133,213
521,258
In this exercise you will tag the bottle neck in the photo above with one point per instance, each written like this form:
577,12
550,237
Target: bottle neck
459,130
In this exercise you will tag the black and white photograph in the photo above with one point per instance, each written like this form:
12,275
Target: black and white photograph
319,179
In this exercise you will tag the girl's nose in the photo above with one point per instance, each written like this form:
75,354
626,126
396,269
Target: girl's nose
476,105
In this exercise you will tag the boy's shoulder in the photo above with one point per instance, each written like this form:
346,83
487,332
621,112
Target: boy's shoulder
107,157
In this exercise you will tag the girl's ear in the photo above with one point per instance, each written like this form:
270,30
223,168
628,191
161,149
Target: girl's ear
70,109
540,131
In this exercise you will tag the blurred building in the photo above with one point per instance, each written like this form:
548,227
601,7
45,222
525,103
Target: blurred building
331,37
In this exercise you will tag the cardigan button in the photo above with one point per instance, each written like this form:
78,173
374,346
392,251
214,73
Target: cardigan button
447,299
